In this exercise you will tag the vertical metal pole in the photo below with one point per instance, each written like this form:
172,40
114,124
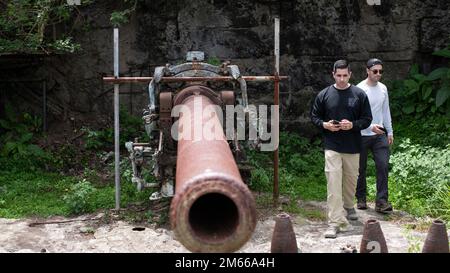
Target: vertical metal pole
44,106
277,45
131,93
276,113
116,118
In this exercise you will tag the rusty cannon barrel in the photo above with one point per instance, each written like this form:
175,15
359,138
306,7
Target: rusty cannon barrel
212,210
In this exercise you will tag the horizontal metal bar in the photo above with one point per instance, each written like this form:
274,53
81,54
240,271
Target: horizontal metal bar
141,144
128,93
191,79
19,80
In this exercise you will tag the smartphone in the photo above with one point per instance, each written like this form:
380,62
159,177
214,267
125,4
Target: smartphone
382,129
335,122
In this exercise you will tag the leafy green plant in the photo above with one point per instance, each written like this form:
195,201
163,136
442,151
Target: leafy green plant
429,130
300,172
130,128
92,139
65,45
214,61
261,179
420,93
420,179
443,76
23,25
17,139
78,198
119,18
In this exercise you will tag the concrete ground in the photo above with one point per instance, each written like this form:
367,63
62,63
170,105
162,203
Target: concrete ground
88,234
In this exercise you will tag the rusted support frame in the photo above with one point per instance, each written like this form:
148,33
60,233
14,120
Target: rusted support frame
276,103
276,153
116,120
44,106
190,79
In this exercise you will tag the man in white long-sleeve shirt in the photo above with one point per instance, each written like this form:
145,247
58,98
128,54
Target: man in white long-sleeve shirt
376,138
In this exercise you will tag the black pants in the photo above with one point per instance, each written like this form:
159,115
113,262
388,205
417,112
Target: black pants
379,146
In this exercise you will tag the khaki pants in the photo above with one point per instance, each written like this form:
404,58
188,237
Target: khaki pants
341,171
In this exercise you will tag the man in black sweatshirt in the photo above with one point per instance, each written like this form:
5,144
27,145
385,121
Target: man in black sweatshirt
341,111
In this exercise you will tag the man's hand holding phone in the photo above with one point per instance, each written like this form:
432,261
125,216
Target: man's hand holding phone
332,125
346,125
378,129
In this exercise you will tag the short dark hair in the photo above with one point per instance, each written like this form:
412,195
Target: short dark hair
373,62
341,64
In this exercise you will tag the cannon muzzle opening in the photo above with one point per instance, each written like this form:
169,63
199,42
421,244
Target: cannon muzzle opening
213,214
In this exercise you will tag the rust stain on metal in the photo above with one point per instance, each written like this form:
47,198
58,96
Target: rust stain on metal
373,240
196,90
283,238
212,210
276,101
227,97
196,66
190,79
437,238
165,117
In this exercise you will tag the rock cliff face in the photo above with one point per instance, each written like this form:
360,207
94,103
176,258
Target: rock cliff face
314,33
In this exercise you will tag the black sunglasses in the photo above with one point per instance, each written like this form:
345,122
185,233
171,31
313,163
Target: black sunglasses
376,71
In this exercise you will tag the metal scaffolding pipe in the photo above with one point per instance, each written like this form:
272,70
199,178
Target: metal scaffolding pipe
276,102
212,210
44,106
190,79
116,119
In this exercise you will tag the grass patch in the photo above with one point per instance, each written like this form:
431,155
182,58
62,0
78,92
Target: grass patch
308,212
25,194
264,202
33,193
419,173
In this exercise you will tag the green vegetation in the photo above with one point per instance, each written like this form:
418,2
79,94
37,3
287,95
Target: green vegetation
301,168
23,26
119,18
41,193
421,179
78,198
308,212
33,181
213,61
26,25
18,134
421,94
103,139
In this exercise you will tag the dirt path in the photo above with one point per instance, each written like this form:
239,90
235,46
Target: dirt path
120,236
